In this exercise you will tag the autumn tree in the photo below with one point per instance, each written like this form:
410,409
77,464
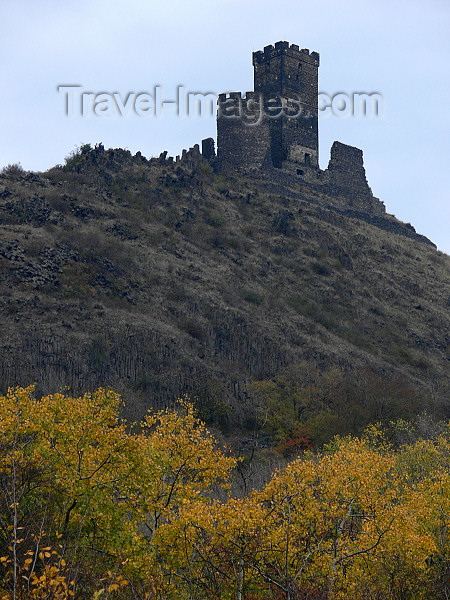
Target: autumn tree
73,474
93,507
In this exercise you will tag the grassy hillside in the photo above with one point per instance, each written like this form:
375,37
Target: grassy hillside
159,280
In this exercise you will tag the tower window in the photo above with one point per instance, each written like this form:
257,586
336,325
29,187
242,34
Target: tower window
307,158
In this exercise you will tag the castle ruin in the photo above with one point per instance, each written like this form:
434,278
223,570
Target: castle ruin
283,74
273,131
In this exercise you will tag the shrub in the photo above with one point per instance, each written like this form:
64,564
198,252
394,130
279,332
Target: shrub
252,297
13,170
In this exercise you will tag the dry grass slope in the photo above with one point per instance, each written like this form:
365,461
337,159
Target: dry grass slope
160,280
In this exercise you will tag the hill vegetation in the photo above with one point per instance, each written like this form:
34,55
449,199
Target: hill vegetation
91,508
280,311
311,338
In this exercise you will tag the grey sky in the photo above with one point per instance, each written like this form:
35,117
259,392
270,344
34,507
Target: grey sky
398,48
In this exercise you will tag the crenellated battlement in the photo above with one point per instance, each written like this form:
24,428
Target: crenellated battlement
274,129
284,48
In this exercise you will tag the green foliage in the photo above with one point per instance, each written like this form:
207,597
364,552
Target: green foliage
13,170
252,297
210,405
407,356
78,158
320,269
213,219
314,311
205,169
329,403
221,183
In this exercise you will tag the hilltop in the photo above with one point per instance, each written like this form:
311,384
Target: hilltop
160,279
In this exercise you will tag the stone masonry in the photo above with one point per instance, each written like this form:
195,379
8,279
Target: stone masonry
273,130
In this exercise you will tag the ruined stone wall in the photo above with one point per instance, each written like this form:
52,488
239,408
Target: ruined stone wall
263,129
346,177
346,166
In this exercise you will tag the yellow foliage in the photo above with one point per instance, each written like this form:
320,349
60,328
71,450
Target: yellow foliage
89,507
74,463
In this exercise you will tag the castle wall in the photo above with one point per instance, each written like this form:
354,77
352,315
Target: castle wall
346,168
208,149
346,177
249,136
300,139
242,142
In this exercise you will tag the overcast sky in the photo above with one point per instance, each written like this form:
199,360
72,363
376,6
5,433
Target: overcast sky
397,48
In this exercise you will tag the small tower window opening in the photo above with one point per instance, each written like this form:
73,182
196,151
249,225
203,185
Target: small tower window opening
307,158
299,72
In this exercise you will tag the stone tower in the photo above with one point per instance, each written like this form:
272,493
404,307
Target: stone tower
286,77
287,72
253,139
